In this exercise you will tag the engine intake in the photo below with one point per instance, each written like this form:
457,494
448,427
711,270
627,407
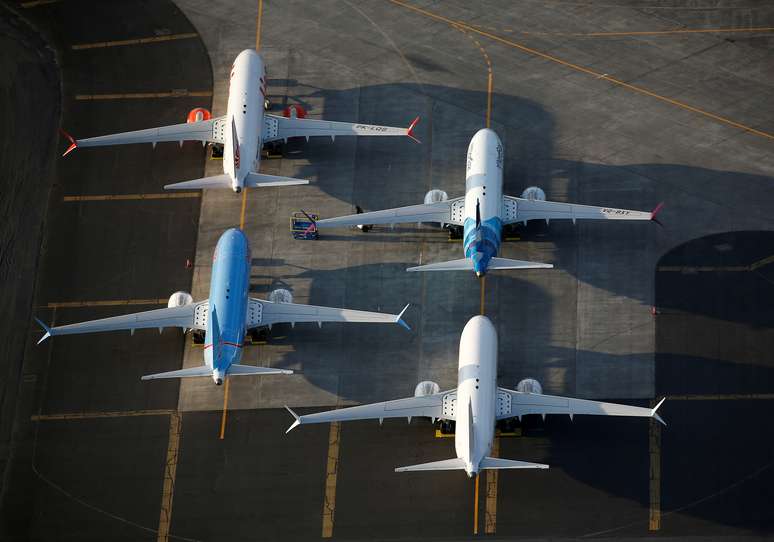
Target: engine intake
534,193
530,385
435,195
179,299
280,295
426,387
197,115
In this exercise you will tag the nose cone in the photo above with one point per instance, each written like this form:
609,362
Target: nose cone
485,136
233,237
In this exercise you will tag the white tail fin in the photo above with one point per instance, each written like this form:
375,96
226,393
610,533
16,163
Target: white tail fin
497,463
505,263
182,373
446,464
240,370
466,264
261,180
216,181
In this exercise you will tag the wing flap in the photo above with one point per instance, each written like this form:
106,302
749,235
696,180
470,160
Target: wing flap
266,313
445,212
261,180
303,127
445,464
522,210
428,406
236,369
186,317
522,404
205,130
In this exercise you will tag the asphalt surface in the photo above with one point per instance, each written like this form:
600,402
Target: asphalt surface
586,329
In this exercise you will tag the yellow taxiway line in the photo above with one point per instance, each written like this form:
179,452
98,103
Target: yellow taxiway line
475,504
170,472
483,295
331,475
225,409
588,71
132,197
176,93
138,41
99,415
490,510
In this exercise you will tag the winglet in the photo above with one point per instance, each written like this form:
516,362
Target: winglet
295,423
73,142
400,320
410,131
46,329
655,415
655,211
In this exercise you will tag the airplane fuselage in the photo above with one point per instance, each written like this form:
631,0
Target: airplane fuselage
476,392
483,199
246,95
229,287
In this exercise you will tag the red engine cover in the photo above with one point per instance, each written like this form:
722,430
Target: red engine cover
198,114
294,112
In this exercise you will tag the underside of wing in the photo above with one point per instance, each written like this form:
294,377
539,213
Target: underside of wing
193,316
285,128
445,212
512,403
205,131
265,313
522,210
429,406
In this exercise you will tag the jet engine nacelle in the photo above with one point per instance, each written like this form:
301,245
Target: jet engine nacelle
197,115
294,112
434,196
426,387
534,193
280,295
530,385
179,299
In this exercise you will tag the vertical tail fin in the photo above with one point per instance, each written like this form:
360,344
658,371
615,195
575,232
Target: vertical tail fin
471,447
235,145
217,343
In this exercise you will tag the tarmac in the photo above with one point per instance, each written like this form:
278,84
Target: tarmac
623,106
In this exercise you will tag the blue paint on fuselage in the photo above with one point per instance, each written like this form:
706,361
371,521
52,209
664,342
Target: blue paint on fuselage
482,244
228,302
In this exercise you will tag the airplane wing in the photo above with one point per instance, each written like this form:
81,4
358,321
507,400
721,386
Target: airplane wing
212,130
446,212
512,403
277,127
193,316
521,210
428,406
266,313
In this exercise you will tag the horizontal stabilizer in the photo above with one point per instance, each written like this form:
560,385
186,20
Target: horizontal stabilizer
497,463
261,180
446,464
505,263
182,373
216,181
239,370
465,264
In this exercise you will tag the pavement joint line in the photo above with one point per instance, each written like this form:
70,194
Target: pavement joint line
654,441
490,509
176,93
131,197
137,41
714,268
36,3
170,473
723,397
99,415
225,409
596,75
244,208
331,475
107,303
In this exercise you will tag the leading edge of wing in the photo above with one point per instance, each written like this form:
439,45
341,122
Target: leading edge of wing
426,212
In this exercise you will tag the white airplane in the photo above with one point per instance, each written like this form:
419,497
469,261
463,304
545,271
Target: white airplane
225,317
476,405
484,210
242,131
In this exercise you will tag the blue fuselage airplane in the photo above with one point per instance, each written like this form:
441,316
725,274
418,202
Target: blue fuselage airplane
225,317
